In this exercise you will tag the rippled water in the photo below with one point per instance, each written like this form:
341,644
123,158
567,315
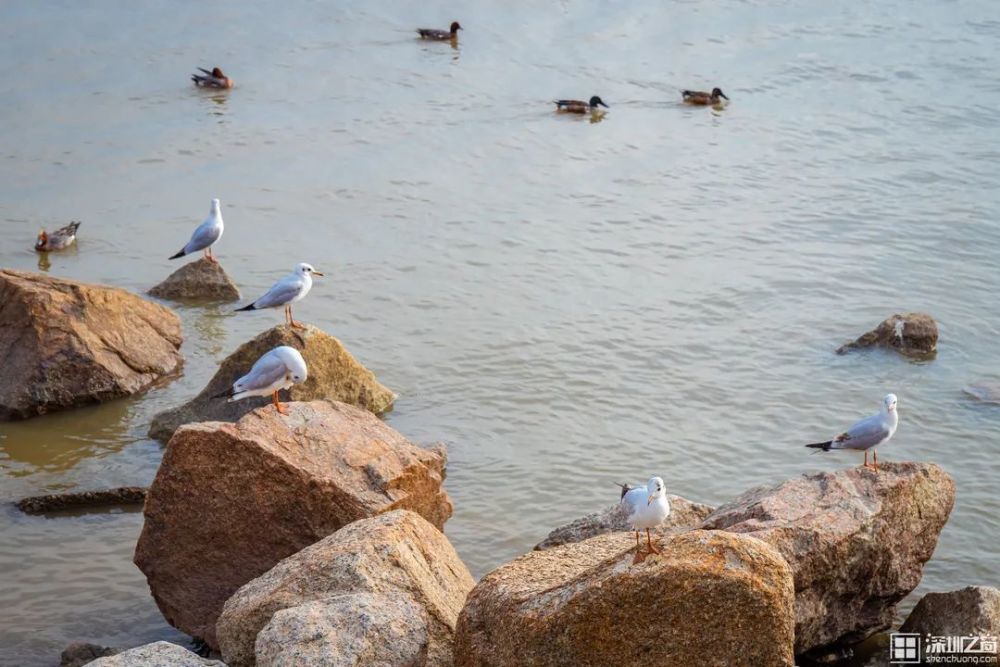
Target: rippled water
567,304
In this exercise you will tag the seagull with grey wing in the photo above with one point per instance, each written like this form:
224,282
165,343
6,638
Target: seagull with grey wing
868,433
279,369
206,235
647,507
285,292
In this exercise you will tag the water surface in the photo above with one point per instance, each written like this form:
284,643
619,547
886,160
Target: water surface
566,304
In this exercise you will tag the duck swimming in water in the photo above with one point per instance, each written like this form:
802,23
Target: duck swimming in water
60,239
440,35
702,98
578,106
213,78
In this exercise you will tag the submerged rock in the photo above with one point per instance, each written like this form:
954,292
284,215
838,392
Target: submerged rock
911,334
64,344
77,500
201,279
333,375
974,610
157,654
79,654
325,600
856,541
710,598
683,514
986,391
231,500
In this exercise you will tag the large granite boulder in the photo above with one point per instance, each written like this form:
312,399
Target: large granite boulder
856,541
64,344
231,500
974,610
345,631
911,334
328,599
333,375
614,519
157,654
710,598
199,280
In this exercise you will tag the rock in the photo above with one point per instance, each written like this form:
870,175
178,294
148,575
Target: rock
200,279
157,654
231,500
346,630
64,344
333,375
124,495
911,334
987,392
78,654
399,555
856,542
614,519
711,598
974,610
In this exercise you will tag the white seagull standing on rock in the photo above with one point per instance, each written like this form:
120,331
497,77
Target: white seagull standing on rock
206,235
285,292
867,433
648,507
279,369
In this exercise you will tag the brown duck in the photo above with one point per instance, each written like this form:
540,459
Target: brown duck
58,240
702,98
578,106
440,35
213,78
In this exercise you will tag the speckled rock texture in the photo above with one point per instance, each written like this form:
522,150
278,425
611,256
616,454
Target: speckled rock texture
856,541
614,519
913,335
398,555
710,599
201,280
974,610
65,344
229,501
157,654
334,375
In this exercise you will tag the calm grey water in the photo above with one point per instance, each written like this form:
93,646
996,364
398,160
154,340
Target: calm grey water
567,304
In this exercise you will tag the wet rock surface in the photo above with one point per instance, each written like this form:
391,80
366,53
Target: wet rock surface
65,344
913,335
199,280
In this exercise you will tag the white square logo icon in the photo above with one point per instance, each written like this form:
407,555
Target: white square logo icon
904,648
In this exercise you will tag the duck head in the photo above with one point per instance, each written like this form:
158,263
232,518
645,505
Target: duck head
596,101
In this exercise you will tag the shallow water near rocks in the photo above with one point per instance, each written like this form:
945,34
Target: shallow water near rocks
566,304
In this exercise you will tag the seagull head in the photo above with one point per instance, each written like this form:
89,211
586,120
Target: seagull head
304,269
889,403
295,365
655,489
216,204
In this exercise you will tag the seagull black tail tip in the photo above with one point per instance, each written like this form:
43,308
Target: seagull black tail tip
250,307
180,254
825,446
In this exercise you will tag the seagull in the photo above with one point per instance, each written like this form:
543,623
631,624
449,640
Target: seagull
213,78
440,35
207,234
867,433
279,369
287,291
648,507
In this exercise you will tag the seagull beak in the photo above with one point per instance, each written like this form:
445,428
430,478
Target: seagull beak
649,501
316,273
